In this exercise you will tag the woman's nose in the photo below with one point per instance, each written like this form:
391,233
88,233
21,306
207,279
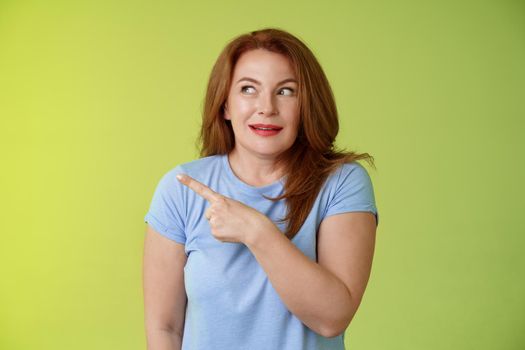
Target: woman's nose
267,105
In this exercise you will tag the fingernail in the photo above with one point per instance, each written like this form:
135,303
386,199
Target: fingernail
179,176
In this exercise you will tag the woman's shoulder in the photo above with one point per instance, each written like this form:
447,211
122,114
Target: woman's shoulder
348,172
195,168
348,168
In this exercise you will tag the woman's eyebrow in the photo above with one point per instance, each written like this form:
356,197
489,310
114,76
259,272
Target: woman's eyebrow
287,80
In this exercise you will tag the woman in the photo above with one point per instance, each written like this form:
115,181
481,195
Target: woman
266,241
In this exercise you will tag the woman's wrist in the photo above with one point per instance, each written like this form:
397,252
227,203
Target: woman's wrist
260,231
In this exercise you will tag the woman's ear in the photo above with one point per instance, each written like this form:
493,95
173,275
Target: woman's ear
226,114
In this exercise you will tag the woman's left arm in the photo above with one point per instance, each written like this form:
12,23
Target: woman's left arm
323,295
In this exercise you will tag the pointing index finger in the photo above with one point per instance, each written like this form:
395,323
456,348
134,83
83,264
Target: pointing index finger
201,189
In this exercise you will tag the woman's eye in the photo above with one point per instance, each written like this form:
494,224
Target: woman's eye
289,93
247,89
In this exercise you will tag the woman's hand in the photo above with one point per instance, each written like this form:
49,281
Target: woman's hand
230,220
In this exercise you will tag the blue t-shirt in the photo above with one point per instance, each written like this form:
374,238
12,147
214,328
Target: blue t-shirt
231,302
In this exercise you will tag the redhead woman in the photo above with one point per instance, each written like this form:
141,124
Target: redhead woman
266,241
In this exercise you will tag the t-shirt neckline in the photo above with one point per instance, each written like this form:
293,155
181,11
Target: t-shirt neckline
266,189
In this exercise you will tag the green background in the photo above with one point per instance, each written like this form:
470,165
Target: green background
98,99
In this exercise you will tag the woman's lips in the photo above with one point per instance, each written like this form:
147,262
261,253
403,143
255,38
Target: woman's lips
265,132
266,126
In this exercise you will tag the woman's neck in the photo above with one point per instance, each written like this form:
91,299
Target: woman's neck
252,170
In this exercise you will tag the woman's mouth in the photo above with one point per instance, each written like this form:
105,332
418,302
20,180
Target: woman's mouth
265,131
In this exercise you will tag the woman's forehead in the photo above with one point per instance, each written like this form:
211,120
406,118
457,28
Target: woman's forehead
262,64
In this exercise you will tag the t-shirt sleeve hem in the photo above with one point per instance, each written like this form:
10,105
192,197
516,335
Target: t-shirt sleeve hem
174,235
370,208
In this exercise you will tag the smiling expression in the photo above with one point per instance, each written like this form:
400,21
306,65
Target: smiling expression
263,95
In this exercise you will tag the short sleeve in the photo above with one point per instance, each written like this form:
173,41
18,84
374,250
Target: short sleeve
166,211
353,192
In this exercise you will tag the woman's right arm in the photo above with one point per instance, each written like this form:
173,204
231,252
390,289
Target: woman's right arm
164,292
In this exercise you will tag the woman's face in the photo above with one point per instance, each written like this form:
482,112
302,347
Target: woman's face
263,94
